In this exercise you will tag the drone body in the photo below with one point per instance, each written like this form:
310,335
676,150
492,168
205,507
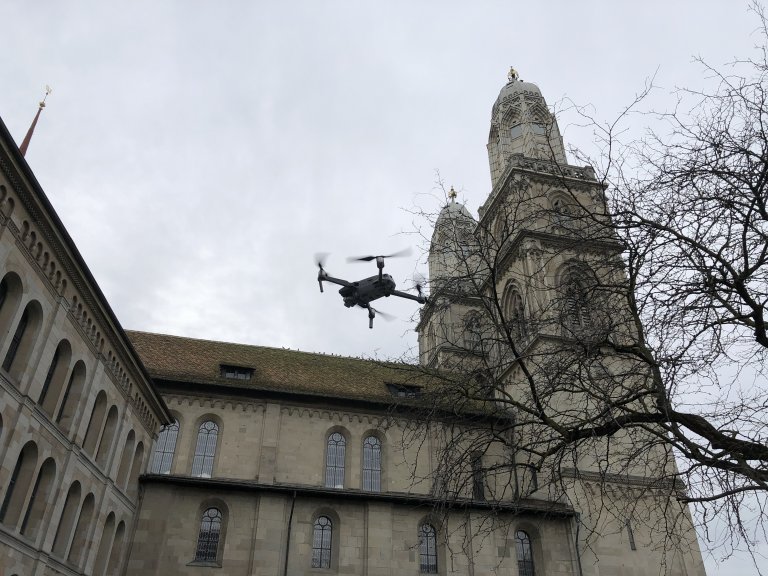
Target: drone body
363,292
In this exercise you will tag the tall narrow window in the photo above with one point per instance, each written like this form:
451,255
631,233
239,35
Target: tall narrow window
577,316
322,538
334,461
372,464
427,549
478,479
19,485
524,554
514,311
164,449
16,340
472,333
205,449
208,539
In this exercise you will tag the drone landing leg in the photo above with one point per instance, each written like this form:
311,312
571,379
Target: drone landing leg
371,316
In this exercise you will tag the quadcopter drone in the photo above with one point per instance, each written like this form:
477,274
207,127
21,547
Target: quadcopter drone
363,292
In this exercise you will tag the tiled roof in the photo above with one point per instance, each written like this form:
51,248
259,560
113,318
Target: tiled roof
179,359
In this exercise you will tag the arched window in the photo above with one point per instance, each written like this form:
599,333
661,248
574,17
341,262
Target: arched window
472,333
23,341
372,464
53,385
71,399
10,295
524,553
107,437
334,460
95,424
576,303
208,538
562,210
205,449
427,549
164,449
38,501
117,549
322,539
107,532
67,520
514,313
19,485
136,467
125,462
78,549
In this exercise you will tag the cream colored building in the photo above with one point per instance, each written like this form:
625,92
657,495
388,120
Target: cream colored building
146,454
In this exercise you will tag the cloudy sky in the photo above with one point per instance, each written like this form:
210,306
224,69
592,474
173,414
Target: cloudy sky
201,153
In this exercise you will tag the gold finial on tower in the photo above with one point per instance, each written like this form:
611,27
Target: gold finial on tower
513,75
28,137
452,194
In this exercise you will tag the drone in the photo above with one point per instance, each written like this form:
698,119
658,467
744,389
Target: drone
363,292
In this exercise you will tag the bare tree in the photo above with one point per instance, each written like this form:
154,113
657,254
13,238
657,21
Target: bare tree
600,339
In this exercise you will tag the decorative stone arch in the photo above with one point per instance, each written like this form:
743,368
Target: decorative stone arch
71,399
67,520
19,484
107,437
105,545
23,341
78,549
125,461
39,500
11,290
337,457
55,378
211,530
205,445
116,553
95,423
317,538
137,465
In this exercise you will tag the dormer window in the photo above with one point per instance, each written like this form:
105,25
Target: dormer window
236,372
404,390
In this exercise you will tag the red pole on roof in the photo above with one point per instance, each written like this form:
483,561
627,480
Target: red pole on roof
28,137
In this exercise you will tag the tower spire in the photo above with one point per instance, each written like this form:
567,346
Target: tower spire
28,137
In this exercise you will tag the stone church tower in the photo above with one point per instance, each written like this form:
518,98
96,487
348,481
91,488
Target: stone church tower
516,298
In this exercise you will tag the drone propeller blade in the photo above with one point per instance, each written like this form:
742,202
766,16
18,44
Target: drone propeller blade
320,258
384,315
406,252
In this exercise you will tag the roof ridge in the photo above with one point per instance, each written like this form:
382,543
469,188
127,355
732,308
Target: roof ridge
282,349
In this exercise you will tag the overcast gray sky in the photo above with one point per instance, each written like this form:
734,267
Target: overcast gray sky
201,153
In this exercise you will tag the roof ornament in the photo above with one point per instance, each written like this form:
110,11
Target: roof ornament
452,195
28,137
513,75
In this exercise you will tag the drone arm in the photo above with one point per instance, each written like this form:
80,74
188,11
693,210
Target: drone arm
325,278
419,299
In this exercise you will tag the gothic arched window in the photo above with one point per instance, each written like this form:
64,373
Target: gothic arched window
372,464
208,538
472,333
524,553
576,305
427,549
336,448
205,449
165,448
322,538
514,312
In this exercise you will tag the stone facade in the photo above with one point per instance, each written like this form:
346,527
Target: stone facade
145,454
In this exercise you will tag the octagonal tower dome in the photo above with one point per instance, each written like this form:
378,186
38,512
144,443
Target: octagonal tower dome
521,123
